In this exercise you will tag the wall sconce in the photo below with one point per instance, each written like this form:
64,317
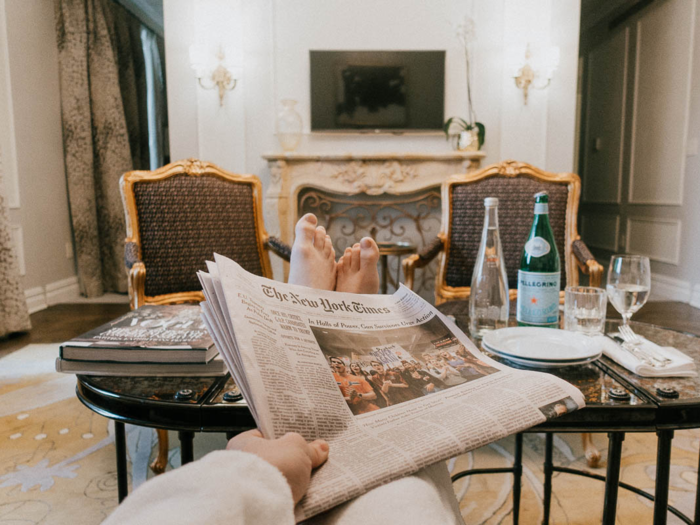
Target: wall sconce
533,66
212,70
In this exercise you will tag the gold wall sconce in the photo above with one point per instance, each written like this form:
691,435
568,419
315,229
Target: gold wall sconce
533,66
212,70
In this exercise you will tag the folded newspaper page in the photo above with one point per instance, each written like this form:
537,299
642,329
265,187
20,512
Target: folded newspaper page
387,380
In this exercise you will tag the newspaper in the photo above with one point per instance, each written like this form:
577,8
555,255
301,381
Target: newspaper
387,380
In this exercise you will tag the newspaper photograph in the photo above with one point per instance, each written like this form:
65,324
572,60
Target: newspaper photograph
387,380
384,368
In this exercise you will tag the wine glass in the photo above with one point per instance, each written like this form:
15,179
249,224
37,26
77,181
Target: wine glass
629,282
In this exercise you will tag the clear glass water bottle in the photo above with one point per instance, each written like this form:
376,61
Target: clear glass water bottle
488,300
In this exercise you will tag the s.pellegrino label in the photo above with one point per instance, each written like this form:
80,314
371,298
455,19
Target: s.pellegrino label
539,276
538,298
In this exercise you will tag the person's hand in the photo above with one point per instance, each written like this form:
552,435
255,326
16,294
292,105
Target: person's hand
291,454
429,387
386,386
354,396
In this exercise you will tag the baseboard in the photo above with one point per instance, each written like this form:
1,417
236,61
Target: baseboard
62,291
664,288
695,297
36,299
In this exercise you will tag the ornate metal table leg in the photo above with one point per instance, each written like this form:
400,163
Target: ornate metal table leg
186,447
161,461
517,476
548,471
663,471
592,453
120,444
612,477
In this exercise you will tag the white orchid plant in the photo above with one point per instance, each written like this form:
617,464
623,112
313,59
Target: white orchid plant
466,34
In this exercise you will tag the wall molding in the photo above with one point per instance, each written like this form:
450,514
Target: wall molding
41,297
695,296
623,116
678,201
675,254
36,299
664,288
586,220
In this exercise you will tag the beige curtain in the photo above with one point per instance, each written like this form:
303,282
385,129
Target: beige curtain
13,305
102,131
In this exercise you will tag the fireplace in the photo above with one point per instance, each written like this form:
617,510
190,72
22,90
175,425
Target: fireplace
392,197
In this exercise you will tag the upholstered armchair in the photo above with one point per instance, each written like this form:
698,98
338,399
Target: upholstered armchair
178,216
515,184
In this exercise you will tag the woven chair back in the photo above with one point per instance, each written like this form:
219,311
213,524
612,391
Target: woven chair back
184,220
515,215
180,215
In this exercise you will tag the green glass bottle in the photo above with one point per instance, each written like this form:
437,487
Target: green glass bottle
540,272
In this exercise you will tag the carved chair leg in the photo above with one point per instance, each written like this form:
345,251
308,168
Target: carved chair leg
592,453
159,464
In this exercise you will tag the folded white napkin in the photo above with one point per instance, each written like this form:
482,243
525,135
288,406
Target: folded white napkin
681,365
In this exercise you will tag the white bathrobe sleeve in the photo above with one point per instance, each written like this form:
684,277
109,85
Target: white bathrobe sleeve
226,486
238,488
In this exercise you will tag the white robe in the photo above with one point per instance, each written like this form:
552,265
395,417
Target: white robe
238,488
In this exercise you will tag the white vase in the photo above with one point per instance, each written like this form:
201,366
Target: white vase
289,125
467,140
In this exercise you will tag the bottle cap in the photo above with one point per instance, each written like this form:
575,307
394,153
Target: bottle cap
542,196
490,201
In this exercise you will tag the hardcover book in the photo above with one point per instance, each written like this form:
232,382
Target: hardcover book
215,367
150,334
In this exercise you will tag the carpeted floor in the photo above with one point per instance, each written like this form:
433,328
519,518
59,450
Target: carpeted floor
57,461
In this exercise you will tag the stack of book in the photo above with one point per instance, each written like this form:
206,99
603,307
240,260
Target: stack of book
163,340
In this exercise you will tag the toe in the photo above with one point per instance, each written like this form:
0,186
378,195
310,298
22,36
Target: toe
328,248
369,251
306,228
339,266
355,263
320,237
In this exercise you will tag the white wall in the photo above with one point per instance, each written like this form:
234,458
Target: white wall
274,38
30,105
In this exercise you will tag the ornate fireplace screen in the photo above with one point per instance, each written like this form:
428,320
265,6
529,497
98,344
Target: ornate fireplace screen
412,217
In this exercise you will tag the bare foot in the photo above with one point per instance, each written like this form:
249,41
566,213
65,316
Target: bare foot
313,257
357,268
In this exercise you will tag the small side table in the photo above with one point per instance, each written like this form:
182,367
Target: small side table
396,249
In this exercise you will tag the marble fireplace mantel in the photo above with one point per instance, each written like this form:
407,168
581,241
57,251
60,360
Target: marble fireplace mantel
372,174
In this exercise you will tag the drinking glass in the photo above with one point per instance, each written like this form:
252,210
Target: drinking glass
584,309
629,282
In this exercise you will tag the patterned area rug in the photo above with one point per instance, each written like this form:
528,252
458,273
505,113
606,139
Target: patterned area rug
57,461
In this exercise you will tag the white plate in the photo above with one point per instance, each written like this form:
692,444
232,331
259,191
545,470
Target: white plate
533,363
544,345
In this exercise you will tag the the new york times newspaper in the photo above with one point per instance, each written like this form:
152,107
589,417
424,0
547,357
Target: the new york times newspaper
388,381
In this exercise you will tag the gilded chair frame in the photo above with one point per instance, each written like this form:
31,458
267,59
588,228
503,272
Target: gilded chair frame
194,168
512,169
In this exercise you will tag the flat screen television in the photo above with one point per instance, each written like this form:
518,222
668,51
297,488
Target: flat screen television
368,91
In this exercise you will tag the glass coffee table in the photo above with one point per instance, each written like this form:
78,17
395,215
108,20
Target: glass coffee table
617,401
